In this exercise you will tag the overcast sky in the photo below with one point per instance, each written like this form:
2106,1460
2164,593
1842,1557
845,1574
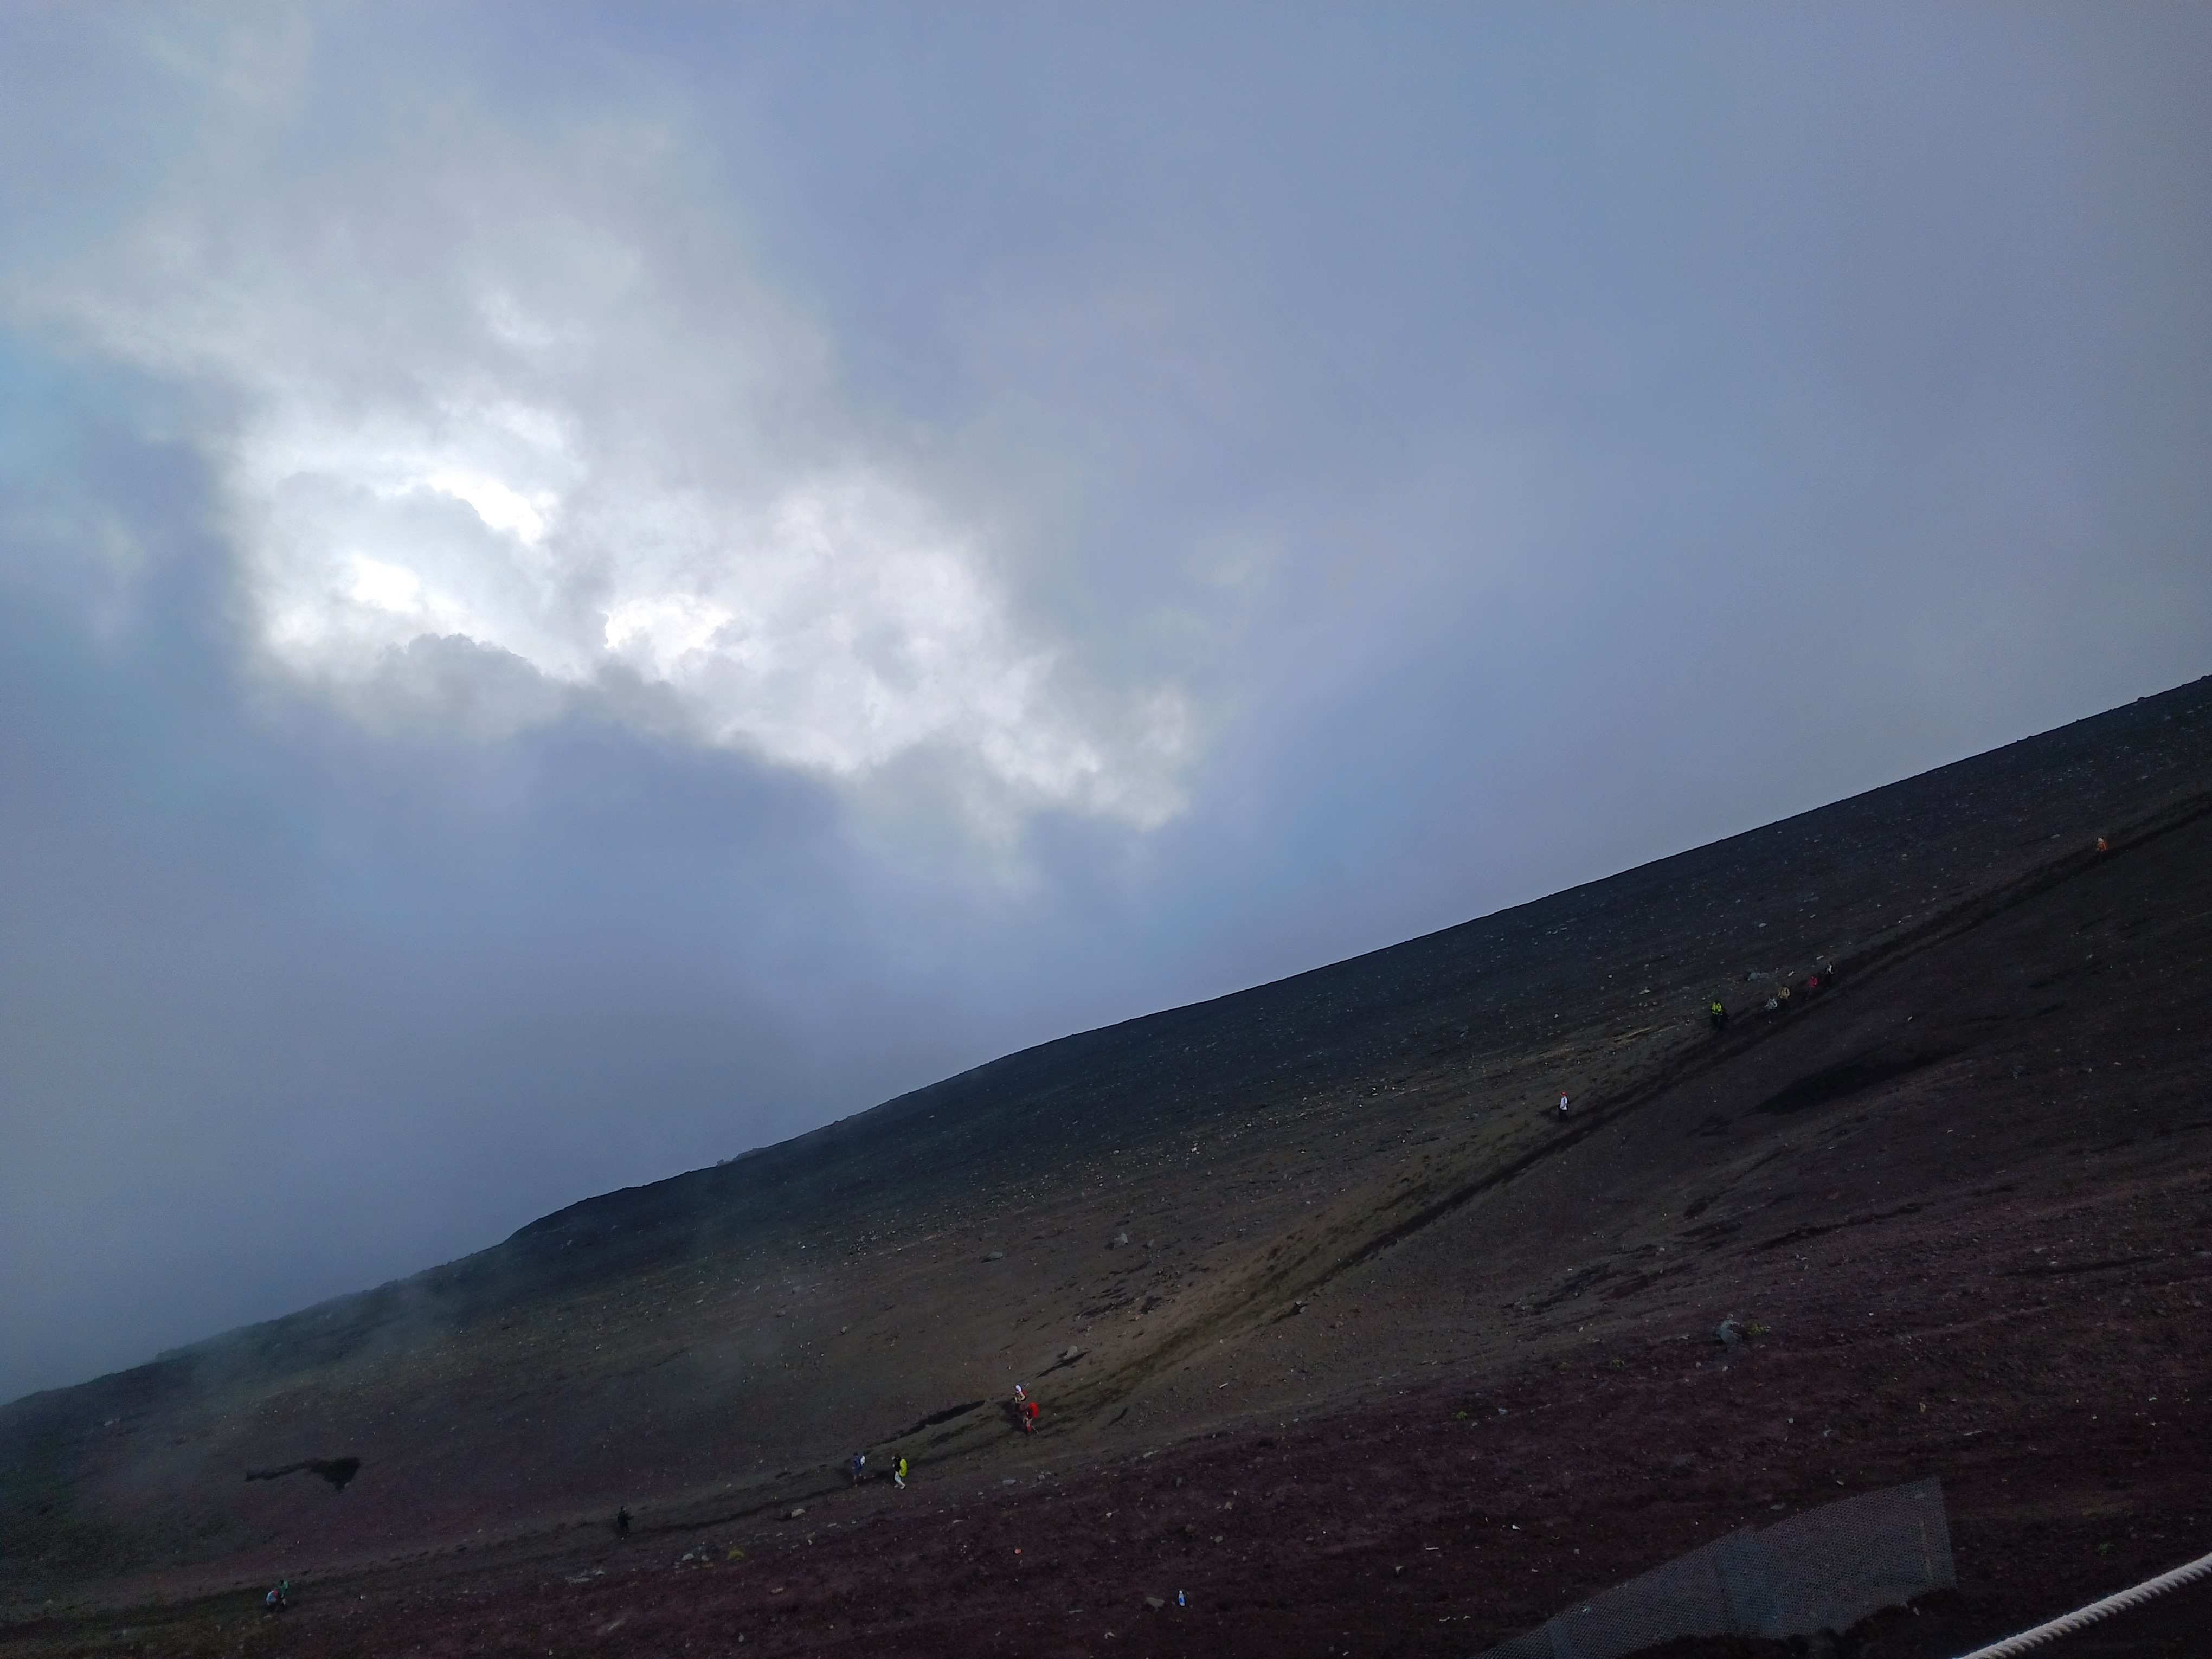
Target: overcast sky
585,588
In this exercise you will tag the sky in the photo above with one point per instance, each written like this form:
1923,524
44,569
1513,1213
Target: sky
583,588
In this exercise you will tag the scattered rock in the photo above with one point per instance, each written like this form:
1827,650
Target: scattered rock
796,1513
995,1255
1730,1333
1117,1241
1070,1353
1155,1602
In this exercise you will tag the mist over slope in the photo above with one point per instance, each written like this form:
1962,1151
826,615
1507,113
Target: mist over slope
1285,1205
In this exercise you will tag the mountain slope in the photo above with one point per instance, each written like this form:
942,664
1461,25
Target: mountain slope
1332,1188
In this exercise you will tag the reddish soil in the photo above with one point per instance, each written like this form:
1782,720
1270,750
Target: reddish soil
1394,1360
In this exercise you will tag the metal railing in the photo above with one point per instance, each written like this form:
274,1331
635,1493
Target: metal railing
2085,1617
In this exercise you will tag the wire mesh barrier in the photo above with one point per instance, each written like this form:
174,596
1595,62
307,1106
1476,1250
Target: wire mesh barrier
1824,1570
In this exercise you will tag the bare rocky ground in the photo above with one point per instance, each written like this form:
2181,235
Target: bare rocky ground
1393,1359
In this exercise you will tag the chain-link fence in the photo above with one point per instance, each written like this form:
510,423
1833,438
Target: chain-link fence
1825,1569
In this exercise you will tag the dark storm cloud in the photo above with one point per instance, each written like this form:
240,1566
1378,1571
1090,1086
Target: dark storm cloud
579,592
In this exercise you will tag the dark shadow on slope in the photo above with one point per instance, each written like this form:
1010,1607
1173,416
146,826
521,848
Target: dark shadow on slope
336,1470
1851,1077
936,1417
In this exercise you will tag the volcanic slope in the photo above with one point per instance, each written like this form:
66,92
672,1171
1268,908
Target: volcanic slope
1961,1198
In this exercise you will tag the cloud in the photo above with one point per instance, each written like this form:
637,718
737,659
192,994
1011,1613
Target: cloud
487,397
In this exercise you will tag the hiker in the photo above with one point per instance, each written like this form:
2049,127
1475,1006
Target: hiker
858,1468
1781,998
1718,1014
1812,983
280,1598
898,1473
622,1523
1563,1105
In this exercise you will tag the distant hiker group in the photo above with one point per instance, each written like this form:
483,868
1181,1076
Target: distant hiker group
858,1468
1022,1409
1786,998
